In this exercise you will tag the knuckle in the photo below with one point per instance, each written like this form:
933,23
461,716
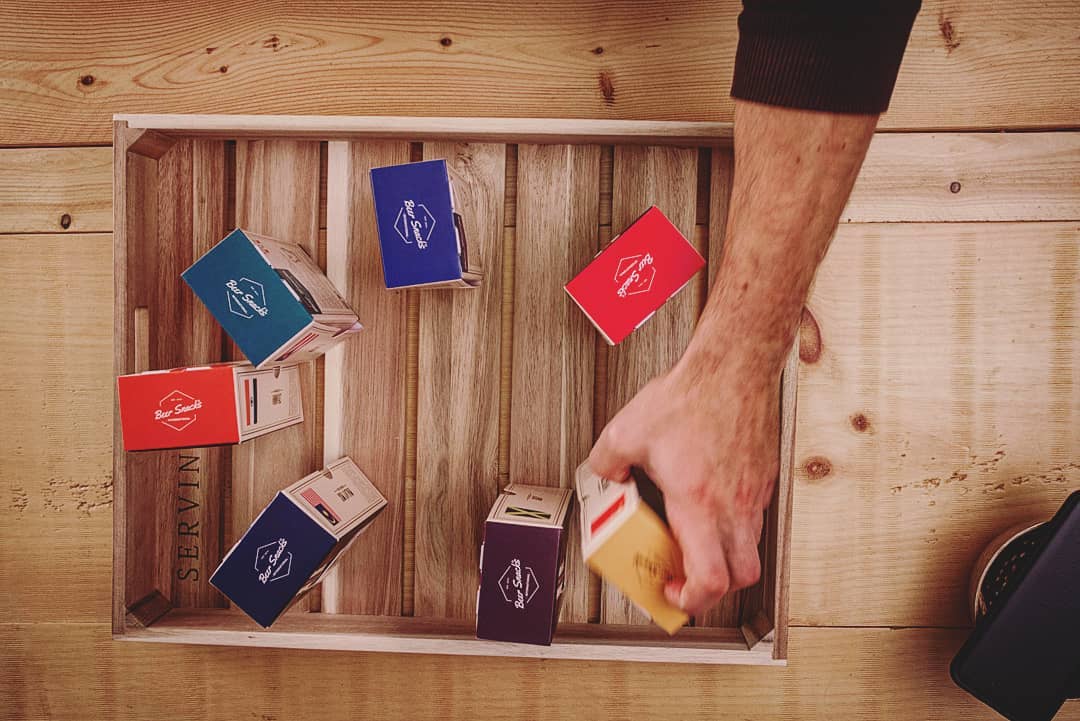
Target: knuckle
612,436
746,573
697,490
715,584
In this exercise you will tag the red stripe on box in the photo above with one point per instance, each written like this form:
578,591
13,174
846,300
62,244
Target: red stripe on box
607,514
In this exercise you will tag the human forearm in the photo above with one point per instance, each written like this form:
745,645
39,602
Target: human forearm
794,170
707,431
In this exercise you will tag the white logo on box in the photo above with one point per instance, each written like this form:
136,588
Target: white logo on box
635,274
177,410
246,298
272,562
414,224
518,585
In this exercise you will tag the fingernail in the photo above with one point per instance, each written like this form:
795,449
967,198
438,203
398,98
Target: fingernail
682,598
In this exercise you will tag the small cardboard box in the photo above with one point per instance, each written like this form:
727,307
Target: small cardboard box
296,539
625,538
206,405
638,272
522,562
420,231
270,298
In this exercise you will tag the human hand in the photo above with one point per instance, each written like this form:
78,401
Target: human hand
708,437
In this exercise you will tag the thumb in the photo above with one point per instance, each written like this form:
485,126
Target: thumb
613,454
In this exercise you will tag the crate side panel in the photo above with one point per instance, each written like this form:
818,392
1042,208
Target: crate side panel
147,522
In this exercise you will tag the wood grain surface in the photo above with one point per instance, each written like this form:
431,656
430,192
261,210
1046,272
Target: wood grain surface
969,64
939,399
56,445
457,407
978,356
55,190
967,176
366,381
854,674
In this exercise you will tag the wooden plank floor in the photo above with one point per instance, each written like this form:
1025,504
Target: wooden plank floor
938,390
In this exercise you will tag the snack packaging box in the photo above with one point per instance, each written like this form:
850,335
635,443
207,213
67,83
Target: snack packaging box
209,405
296,539
421,233
522,564
271,298
626,540
638,272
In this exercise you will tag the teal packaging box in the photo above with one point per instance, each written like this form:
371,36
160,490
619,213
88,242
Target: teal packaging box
271,298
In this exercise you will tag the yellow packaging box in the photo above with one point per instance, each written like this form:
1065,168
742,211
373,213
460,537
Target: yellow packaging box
626,540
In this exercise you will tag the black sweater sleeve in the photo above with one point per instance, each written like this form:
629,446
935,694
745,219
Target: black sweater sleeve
838,56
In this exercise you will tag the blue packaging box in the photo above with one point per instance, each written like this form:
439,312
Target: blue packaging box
296,539
271,298
421,234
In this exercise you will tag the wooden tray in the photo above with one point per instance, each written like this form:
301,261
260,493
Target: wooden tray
445,397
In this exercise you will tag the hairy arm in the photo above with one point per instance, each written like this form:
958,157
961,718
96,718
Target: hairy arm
707,431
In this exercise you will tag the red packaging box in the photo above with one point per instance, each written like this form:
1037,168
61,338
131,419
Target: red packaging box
629,280
209,405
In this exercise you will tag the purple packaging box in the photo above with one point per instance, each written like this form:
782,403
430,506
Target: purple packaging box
522,562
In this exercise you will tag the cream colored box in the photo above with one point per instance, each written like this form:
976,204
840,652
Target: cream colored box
625,539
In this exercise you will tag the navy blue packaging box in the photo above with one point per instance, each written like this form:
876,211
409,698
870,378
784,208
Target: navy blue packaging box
271,298
522,564
296,539
421,232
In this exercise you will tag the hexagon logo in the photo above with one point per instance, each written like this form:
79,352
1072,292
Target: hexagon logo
177,410
414,224
247,298
518,585
635,275
272,561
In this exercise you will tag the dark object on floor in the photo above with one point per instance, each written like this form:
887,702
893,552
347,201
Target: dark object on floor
1023,658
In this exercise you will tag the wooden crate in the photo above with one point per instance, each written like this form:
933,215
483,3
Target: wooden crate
443,398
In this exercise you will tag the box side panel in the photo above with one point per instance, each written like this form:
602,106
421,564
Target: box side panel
267,400
415,222
248,297
272,561
517,588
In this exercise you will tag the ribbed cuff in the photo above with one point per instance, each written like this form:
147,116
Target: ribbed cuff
837,57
